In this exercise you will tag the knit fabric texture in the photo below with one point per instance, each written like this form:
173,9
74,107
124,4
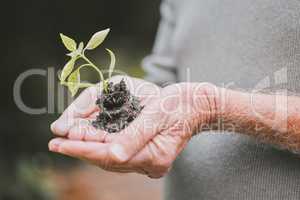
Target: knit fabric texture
249,44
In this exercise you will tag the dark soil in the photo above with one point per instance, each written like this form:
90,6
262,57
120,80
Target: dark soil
118,107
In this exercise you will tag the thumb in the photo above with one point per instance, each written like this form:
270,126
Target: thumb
135,137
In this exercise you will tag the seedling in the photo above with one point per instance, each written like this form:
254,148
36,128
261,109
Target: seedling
117,106
70,76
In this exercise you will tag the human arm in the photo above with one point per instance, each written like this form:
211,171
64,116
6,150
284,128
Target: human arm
270,118
169,120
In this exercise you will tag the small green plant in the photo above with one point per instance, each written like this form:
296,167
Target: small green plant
118,107
70,75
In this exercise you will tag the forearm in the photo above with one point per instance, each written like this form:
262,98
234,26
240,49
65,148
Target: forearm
271,118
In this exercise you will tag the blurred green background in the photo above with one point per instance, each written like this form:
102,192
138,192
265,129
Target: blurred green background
30,39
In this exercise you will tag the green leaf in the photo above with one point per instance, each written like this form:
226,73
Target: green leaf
73,82
80,47
112,62
69,43
97,39
68,68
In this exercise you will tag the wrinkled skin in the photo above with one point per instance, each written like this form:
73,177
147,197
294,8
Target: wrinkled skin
151,143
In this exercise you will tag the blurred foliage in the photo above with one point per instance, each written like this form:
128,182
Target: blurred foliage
32,182
31,40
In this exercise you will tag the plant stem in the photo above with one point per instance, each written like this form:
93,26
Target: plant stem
94,66
84,65
97,69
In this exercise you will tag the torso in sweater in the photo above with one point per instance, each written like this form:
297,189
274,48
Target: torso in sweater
250,44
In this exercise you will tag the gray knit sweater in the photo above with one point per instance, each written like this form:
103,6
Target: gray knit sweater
249,44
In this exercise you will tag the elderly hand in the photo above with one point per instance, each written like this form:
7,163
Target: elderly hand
151,143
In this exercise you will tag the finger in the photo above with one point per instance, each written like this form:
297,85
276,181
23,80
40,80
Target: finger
82,107
79,123
88,133
94,152
55,127
79,149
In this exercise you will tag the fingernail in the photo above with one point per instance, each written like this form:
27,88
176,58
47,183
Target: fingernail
119,152
54,144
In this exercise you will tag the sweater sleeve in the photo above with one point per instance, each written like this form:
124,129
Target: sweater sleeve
159,66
